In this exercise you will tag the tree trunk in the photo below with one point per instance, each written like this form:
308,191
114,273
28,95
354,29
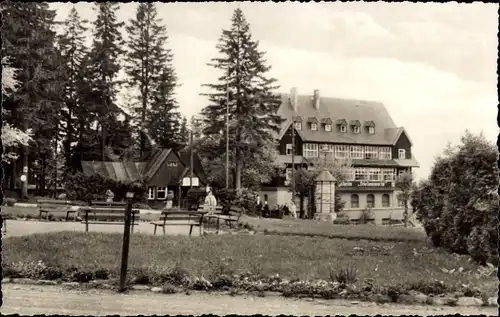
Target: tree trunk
24,185
405,214
301,205
239,169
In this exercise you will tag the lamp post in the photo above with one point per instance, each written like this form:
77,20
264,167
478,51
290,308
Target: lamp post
227,128
293,159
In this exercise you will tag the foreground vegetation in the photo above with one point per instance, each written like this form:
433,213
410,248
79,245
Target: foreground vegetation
311,228
155,260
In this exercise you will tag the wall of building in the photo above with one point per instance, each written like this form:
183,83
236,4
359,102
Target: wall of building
287,139
402,143
277,196
166,173
379,212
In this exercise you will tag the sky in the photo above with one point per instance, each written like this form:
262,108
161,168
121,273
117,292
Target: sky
433,65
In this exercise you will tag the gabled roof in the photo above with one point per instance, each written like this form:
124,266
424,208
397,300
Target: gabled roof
369,124
341,110
392,135
326,120
355,123
156,162
297,119
286,125
118,171
312,119
342,121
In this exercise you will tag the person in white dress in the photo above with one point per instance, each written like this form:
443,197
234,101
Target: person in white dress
293,209
210,202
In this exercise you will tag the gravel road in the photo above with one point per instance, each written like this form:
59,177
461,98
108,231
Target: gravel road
32,299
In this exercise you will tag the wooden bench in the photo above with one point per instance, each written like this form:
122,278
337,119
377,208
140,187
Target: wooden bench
46,206
232,218
108,216
180,217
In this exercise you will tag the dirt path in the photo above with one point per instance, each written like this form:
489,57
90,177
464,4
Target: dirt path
28,300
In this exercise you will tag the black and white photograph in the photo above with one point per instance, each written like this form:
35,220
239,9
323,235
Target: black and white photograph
273,158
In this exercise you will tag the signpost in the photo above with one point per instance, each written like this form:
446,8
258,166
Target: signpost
126,241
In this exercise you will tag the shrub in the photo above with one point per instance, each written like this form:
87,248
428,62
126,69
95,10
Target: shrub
366,215
344,276
196,197
458,204
80,186
342,219
10,202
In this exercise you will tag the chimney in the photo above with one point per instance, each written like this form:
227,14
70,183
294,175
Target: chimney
294,100
316,99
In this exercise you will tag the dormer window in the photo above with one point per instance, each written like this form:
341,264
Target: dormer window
328,127
298,126
371,127
343,129
371,130
356,130
314,126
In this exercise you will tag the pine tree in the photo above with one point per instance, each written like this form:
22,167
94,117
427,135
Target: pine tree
73,51
149,68
252,103
104,58
28,37
183,132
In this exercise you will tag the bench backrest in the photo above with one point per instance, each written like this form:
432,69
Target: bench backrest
218,209
53,204
107,204
111,213
185,215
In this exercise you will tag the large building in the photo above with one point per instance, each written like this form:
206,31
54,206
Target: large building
360,132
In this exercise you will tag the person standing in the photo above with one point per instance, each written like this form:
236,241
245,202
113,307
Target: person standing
210,202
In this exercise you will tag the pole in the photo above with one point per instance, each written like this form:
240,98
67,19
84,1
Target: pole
293,159
191,155
126,242
227,129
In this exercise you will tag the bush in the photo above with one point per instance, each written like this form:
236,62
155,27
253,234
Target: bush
342,219
80,186
366,216
344,276
458,204
196,197
10,202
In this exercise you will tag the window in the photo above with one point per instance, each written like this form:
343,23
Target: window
389,174
172,163
401,154
386,201
371,152
374,174
343,129
328,127
356,152
360,174
370,201
356,129
327,149
161,193
310,150
298,126
314,126
342,151
371,130
401,202
385,153
354,201
289,149
151,193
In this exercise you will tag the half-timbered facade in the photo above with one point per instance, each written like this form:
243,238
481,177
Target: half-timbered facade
361,132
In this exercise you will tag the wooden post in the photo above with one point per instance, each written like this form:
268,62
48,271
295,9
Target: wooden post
126,242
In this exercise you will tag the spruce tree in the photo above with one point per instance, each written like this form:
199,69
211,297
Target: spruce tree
163,119
29,39
253,104
73,50
150,71
183,132
105,65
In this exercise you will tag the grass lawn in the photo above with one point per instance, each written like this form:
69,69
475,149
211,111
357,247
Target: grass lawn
304,227
311,258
